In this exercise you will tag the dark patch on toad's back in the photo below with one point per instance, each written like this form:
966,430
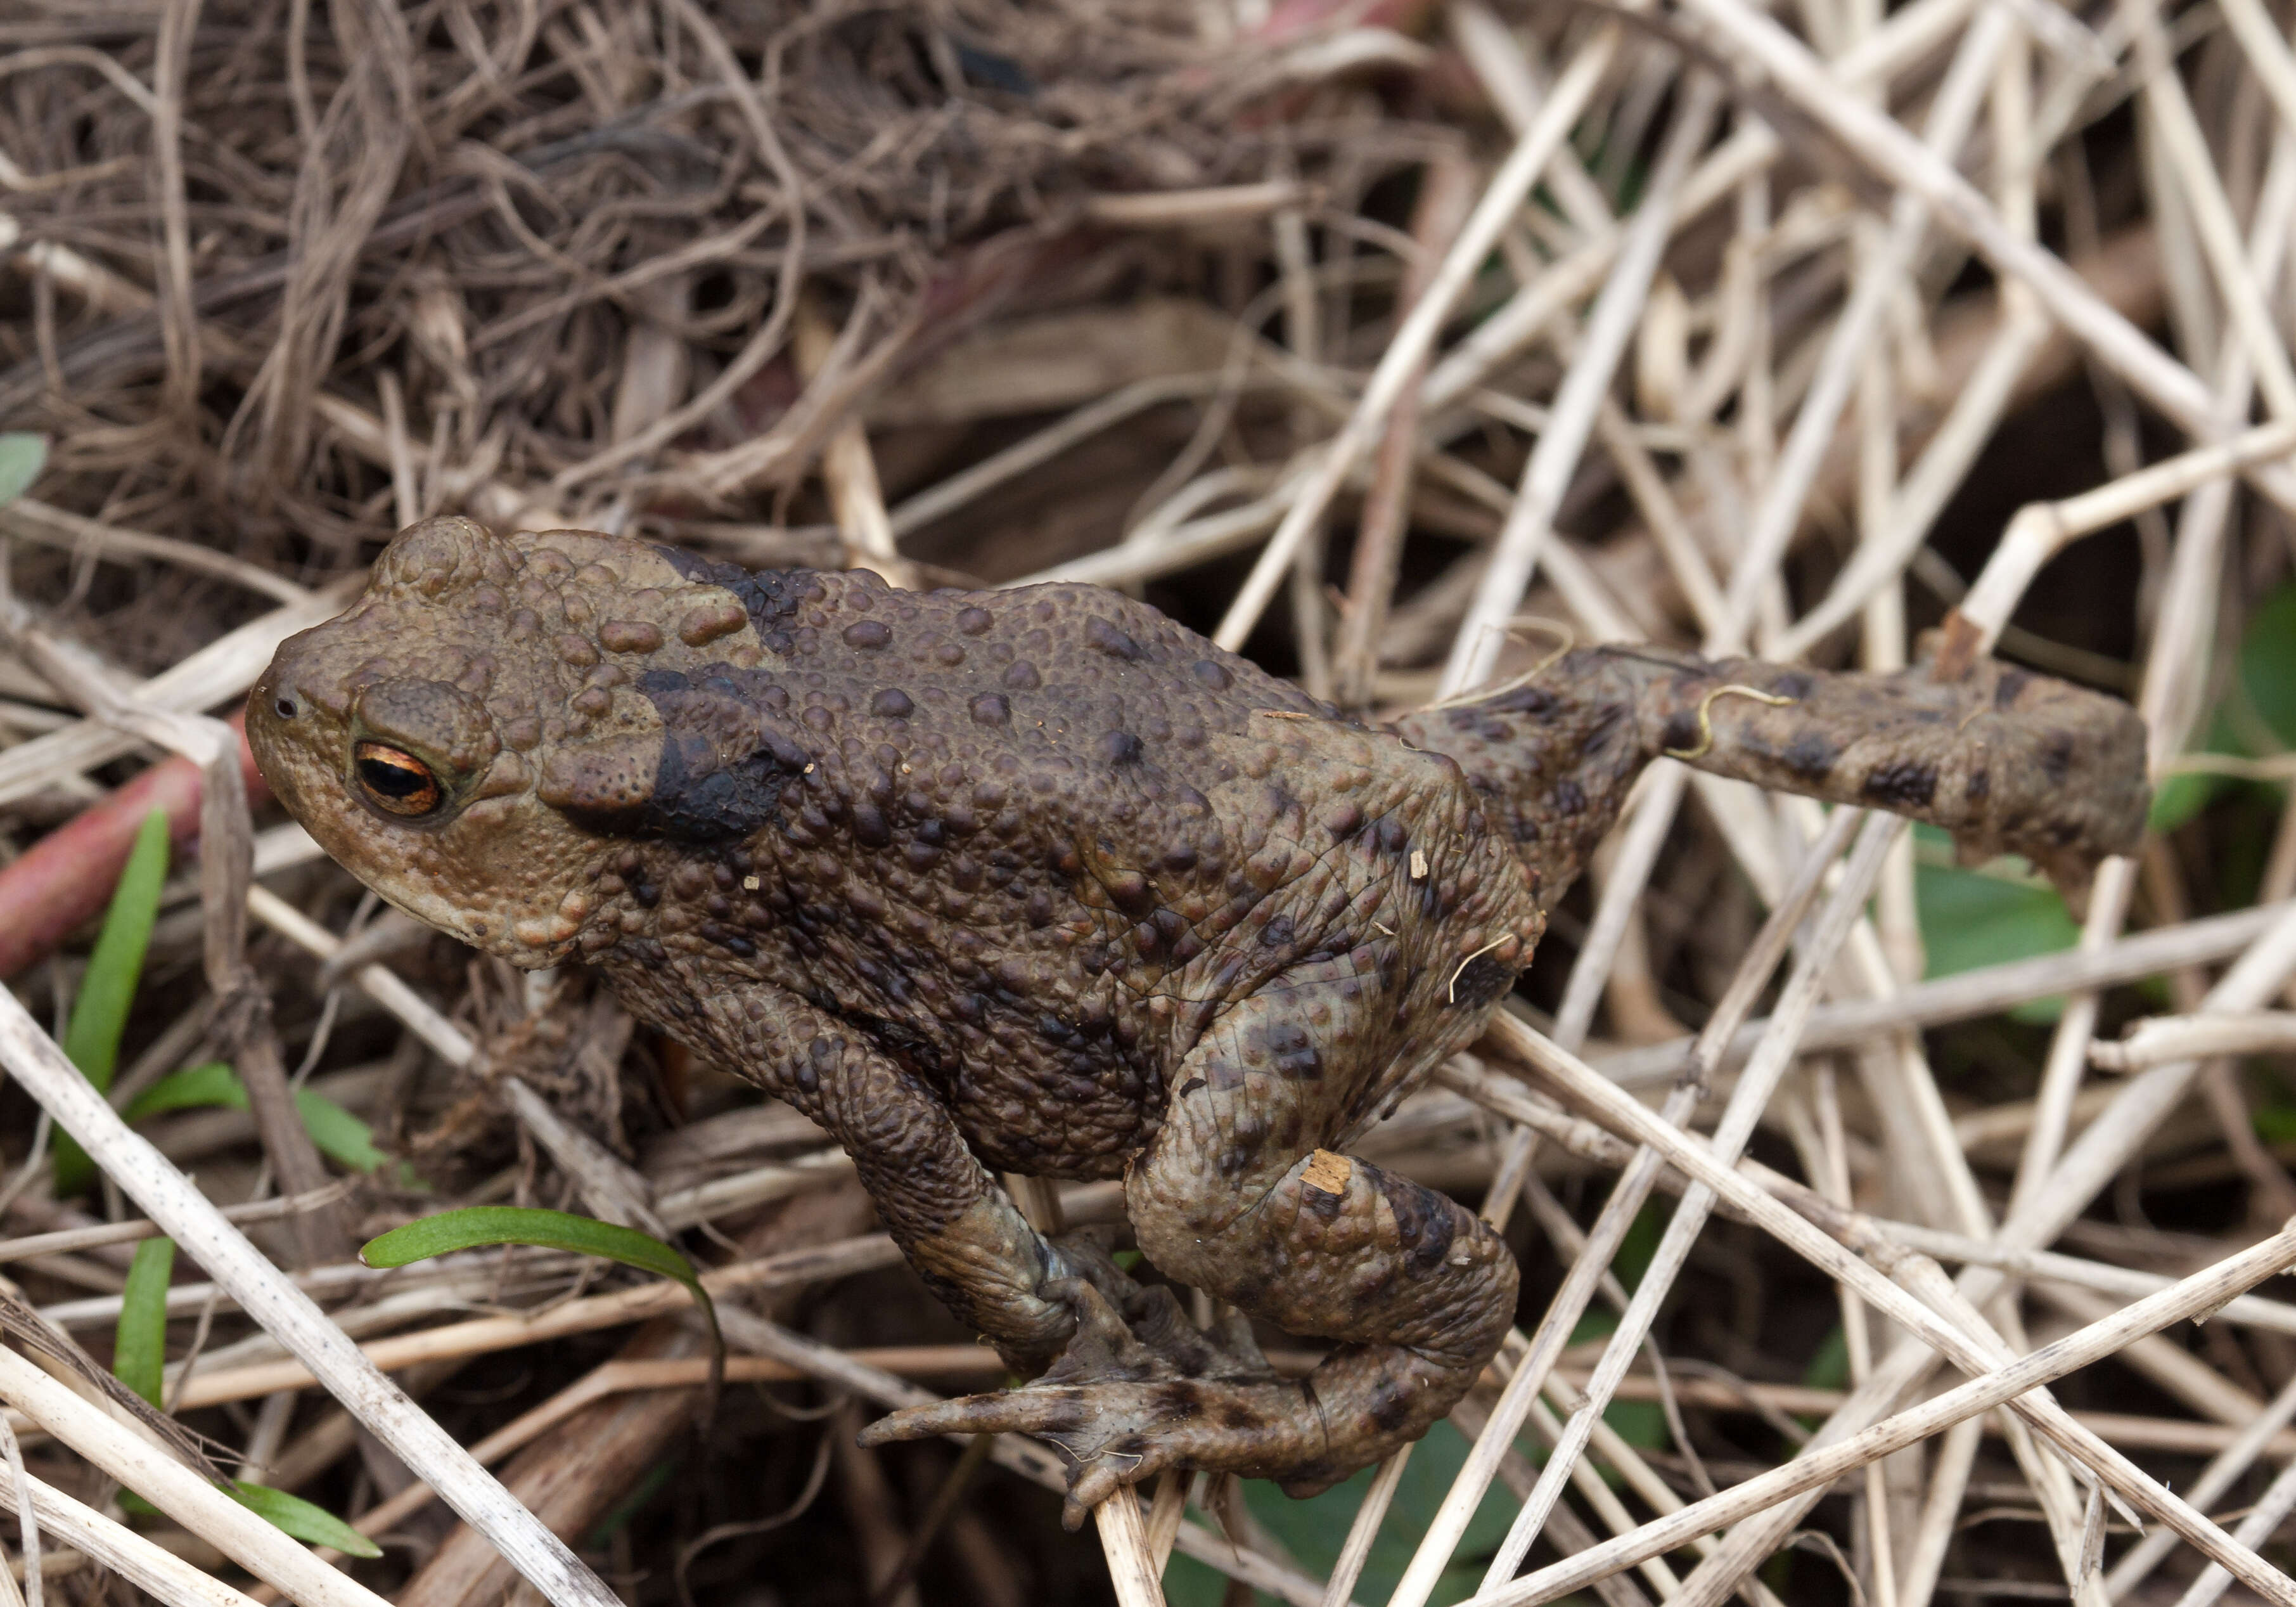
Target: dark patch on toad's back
720,775
697,799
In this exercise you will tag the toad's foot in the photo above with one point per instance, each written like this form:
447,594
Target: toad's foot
1140,1389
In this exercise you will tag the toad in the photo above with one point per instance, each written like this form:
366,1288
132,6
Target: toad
1037,881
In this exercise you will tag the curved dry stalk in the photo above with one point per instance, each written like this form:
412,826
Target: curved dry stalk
2042,530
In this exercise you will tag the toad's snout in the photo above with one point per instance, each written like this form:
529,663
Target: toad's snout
276,706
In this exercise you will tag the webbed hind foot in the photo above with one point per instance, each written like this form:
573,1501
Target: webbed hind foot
1138,1389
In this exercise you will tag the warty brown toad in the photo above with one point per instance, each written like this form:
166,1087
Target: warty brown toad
1039,881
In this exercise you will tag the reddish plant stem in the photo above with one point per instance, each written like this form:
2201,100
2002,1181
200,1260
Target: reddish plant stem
67,877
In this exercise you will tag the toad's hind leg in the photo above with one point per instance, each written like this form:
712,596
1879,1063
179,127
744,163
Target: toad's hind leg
1234,1199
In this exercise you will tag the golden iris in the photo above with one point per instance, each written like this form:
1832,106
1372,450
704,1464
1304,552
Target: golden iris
395,781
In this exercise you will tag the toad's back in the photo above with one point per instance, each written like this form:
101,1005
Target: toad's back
1028,844
1036,839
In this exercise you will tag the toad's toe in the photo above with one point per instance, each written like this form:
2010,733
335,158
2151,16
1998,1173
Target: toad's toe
1119,1432
1136,1391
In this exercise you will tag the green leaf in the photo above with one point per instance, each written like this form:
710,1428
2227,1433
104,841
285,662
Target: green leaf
340,1136
475,1227
21,458
2257,715
1641,1423
2267,664
211,1083
100,1014
1829,1369
1313,1529
139,1345
294,1515
2275,1123
2183,795
1970,920
291,1515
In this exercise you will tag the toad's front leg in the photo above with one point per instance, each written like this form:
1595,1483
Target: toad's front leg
1234,1199
958,1229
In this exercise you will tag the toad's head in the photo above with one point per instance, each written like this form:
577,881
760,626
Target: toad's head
480,735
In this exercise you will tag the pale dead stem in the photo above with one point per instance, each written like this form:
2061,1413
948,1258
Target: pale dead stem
123,1551
188,1497
171,1199
1969,1344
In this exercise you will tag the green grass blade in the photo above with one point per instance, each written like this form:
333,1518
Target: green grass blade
100,1014
22,457
477,1227
292,1515
211,1084
139,1346
340,1136
139,1358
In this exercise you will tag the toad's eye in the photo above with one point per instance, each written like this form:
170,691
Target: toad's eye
395,781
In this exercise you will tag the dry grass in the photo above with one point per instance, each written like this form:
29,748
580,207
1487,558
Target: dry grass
1361,336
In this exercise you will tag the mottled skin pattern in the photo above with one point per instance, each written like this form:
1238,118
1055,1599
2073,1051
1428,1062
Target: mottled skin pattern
1039,881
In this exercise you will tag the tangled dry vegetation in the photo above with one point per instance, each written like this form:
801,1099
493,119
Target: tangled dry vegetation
1357,335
